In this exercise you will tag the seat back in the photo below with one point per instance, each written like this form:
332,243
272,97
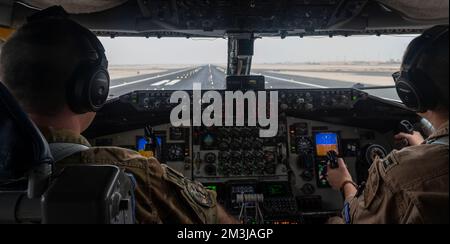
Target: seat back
92,194
25,157
29,193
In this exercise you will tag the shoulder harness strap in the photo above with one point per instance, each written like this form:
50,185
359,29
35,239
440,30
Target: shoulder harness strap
444,141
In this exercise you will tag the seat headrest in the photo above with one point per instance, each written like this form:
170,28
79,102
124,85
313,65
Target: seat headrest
22,146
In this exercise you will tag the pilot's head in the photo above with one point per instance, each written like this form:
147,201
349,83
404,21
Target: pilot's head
423,81
56,69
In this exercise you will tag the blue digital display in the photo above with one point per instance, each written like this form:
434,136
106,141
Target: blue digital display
326,142
141,144
326,138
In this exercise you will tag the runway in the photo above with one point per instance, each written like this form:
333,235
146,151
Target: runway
213,77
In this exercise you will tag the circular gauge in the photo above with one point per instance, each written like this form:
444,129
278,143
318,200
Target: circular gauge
211,170
373,152
304,145
210,158
307,175
176,153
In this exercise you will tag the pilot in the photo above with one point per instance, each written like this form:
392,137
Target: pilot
409,186
43,64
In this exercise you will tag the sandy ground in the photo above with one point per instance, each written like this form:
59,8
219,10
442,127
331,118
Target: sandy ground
346,77
375,67
354,73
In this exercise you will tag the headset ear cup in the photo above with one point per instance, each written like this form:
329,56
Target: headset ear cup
88,90
98,89
409,95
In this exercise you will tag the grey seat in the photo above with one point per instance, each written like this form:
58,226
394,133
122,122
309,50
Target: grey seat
31,193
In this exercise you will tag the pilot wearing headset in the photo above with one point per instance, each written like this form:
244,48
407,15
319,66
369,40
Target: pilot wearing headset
57,70
409,186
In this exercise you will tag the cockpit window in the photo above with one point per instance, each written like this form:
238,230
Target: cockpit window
364,62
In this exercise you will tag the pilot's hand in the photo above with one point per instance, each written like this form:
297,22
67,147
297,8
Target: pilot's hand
413,140
337,177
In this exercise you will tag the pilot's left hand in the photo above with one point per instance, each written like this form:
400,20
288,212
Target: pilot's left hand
337,177
413,140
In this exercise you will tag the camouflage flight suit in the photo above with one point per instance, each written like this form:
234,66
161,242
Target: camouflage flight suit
162,195
408,187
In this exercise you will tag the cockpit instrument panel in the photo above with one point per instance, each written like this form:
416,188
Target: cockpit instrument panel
285,175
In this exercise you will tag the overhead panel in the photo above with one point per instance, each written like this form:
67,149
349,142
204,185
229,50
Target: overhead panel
77,6
419,10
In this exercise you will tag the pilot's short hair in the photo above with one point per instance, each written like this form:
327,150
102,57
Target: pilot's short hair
37,62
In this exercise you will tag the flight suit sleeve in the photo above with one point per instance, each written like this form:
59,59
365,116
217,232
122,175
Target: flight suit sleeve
162,194
172,198
378,203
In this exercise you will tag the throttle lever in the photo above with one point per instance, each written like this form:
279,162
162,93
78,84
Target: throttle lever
333,159
405,127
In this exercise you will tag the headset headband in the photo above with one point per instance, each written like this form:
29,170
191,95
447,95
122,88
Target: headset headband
424,42
58,13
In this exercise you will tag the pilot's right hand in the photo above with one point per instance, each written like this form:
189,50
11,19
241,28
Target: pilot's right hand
414,140
337,177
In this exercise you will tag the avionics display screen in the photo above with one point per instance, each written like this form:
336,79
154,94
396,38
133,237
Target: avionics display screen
326,142
149,147
141,143
211,187
276,190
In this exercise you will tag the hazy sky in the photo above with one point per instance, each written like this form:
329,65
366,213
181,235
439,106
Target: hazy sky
129,51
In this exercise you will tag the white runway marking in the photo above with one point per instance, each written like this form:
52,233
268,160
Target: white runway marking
161,83
173,82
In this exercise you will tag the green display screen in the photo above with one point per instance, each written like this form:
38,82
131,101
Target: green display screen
275,190
212,188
